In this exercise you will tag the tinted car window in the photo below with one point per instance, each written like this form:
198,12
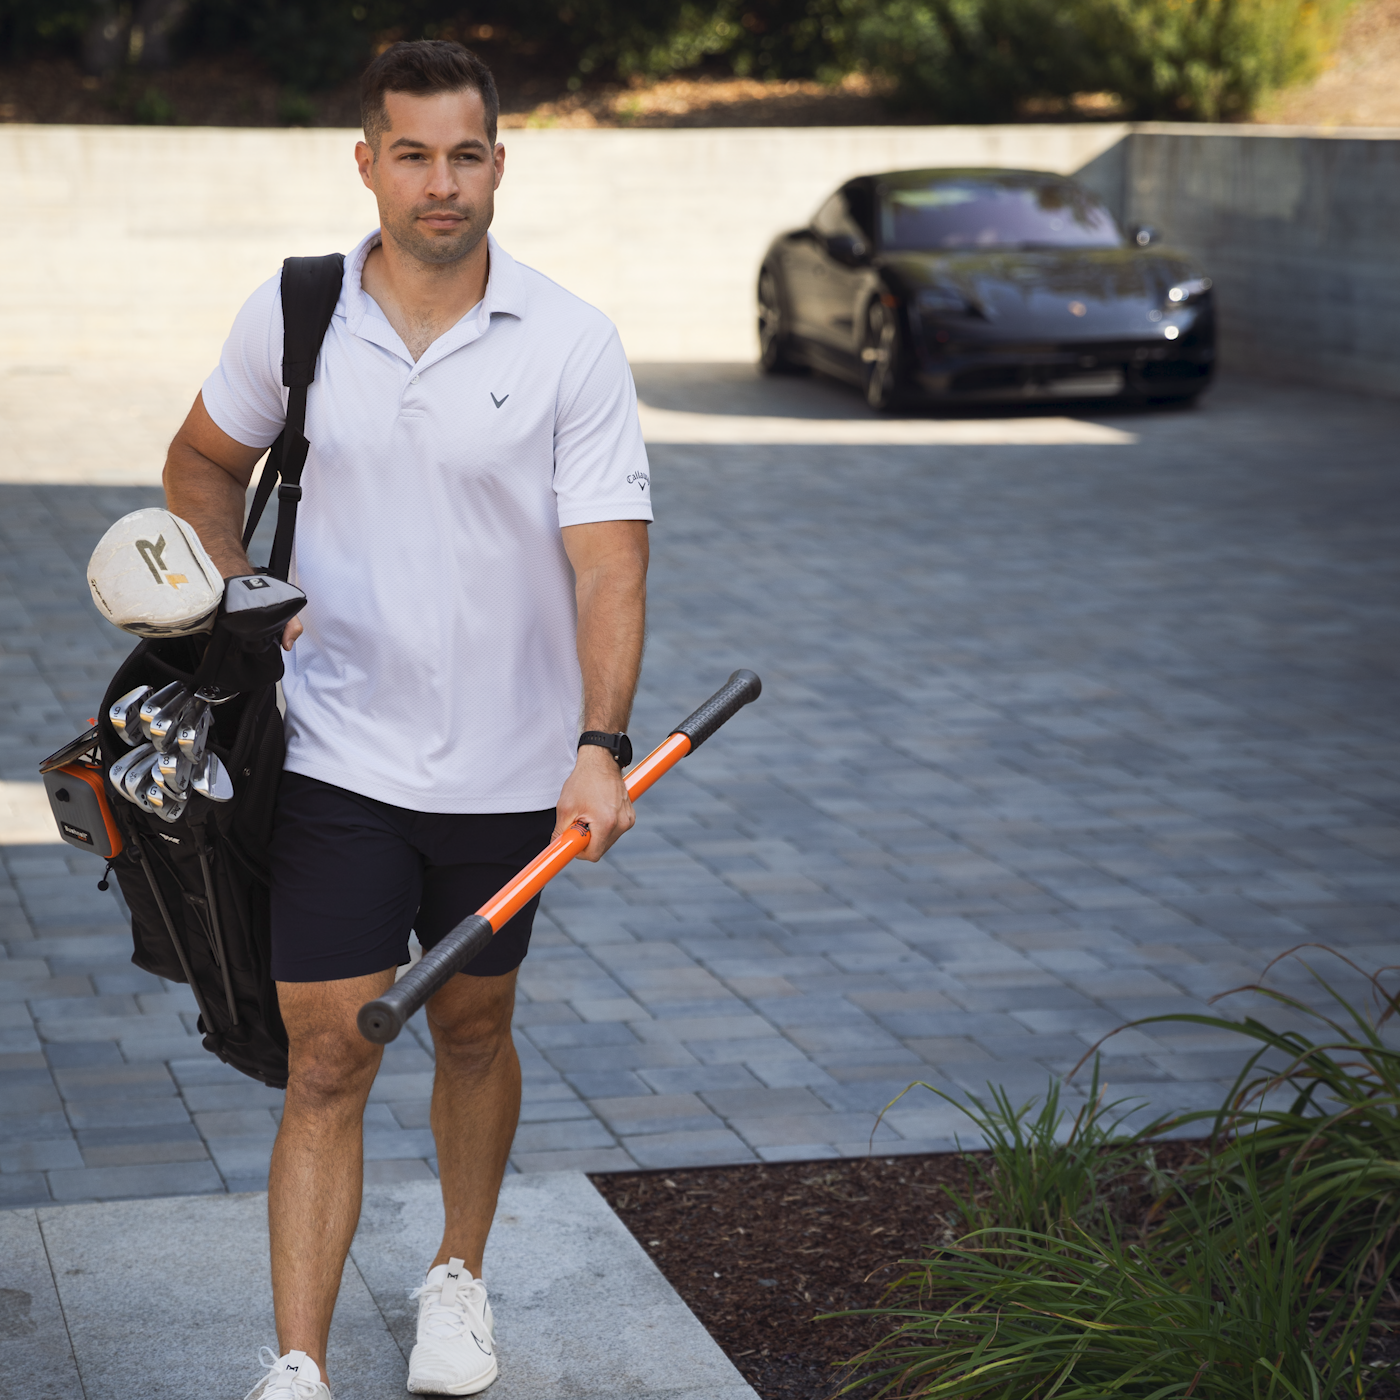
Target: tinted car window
982,214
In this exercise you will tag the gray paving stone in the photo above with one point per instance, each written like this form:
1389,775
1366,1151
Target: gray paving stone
40,1155
702,1148
982,812
23,1188
654,1113
156,1179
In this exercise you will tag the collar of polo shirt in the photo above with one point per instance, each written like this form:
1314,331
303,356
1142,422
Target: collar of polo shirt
505,296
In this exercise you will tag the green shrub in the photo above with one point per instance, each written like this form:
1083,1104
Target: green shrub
1019,1315
1038,1176
982,60
1326,1108
1255,1273
955,60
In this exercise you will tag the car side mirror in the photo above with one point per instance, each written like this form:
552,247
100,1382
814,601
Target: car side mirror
846,249
1144,235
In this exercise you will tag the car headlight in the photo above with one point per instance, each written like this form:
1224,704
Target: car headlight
941,301
1184,293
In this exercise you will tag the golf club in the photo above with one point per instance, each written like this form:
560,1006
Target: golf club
211,780
192,733
166,805
383,1018
124,765
125,715
172,772
138,779
161,727
156,704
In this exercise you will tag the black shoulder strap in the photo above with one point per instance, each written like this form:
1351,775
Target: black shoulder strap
310,290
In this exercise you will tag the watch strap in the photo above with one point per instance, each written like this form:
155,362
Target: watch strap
619,745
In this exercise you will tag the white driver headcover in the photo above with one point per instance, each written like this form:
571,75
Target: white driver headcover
150,575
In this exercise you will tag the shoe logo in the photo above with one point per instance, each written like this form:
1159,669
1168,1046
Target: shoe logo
498,402
481,1346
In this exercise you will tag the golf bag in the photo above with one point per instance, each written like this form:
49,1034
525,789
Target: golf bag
197,885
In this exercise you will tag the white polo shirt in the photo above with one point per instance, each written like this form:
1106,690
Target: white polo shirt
439,667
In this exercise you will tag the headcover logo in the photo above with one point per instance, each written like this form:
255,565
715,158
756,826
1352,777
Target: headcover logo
154,556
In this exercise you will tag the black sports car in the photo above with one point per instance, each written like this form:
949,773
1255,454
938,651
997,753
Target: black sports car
966,285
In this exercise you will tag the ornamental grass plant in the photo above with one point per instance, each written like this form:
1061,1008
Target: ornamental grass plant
1262,1270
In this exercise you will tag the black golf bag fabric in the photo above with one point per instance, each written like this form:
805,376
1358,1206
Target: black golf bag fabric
197,887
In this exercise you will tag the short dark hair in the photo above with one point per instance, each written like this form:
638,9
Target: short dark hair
424,66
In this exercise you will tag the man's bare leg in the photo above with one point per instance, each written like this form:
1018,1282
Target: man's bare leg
476,1105
314,1187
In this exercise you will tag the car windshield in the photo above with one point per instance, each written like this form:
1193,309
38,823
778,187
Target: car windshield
983,214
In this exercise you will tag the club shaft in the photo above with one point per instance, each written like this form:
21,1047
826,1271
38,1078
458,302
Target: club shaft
382,1019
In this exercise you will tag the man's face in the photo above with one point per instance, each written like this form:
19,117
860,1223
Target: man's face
434,175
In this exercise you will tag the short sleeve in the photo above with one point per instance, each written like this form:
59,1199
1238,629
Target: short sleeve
600,460
244,395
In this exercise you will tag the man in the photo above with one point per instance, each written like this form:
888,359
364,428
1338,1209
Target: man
473,544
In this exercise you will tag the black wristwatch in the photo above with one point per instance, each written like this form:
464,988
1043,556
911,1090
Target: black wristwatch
619,745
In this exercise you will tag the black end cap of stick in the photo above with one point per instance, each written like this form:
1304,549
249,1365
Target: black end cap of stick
378,1021
742,688
383,1018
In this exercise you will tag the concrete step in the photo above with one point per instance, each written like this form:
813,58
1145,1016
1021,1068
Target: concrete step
170,1299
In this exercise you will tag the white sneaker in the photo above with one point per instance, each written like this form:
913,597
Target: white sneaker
292,1377
456,1351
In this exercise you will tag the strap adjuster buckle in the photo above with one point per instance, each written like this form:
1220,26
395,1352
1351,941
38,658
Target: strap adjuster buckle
289,491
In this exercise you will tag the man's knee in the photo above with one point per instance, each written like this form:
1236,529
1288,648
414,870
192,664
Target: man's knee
329,1062
473,1026
330,1068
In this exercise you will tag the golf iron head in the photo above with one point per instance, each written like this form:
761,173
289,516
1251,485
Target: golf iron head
192,733
167,701
125,715
137,779
123,766
172,771
211,780
167,806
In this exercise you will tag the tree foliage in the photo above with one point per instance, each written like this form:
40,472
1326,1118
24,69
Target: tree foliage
981,60
952,60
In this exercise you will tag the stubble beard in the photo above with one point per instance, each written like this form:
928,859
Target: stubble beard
439,250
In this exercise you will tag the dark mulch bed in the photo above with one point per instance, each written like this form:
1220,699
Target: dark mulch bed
757,1252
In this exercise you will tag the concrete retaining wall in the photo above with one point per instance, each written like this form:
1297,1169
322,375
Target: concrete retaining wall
132,247
1301,231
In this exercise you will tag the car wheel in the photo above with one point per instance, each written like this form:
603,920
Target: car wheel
882,357
774,348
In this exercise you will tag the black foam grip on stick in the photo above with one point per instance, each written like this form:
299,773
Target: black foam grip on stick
740,689
383,1018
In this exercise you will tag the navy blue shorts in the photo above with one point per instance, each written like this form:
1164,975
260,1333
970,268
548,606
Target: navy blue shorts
352,876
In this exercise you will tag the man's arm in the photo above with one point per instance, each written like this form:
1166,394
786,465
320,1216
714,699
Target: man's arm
610,566
206,483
